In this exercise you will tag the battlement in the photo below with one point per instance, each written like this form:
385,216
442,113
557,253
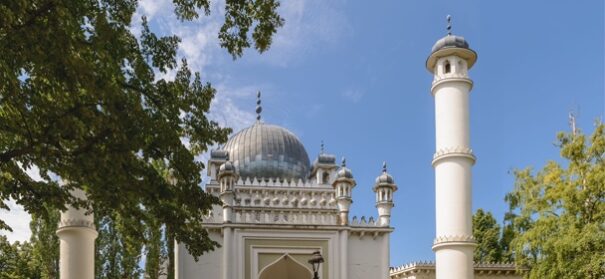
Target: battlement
426,269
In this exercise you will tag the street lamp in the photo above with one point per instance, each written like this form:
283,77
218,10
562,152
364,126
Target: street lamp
315,261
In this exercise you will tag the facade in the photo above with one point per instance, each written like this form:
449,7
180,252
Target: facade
278,208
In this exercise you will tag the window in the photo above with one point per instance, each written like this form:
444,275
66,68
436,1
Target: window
448,67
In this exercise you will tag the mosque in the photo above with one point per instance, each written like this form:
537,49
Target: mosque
285,217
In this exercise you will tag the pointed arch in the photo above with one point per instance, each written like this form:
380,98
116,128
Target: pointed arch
285,267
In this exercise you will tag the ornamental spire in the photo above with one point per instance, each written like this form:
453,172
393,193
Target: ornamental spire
259,109
344,162
321,150
449,25
384,166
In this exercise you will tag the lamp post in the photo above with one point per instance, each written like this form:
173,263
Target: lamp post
315,261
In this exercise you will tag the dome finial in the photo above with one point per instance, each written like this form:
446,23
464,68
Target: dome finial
384,166
449,25
321,150
344,162
259,109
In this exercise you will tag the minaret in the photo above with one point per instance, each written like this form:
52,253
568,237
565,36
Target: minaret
344,184
77,236
449,62
384,189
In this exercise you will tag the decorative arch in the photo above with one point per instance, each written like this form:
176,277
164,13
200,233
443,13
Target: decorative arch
285,267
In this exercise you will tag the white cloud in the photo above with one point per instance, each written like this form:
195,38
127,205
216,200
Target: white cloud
151,8
18,219
353,95
309,25
225,109
199,43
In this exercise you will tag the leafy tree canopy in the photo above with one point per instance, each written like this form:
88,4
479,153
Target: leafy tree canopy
559,211
487,233
79,99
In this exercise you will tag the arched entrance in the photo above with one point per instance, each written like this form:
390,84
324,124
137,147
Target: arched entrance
285,268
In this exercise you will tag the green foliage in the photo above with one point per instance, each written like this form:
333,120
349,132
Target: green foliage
79,99
559,211
487,233
156,258
118,254
45,244
15,260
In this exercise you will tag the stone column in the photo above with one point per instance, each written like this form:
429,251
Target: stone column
77,236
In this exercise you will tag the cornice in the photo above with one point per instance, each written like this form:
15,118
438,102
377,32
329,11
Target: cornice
453,78
457,151
76,223
453,240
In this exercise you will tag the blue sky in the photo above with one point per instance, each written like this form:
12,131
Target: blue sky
352,74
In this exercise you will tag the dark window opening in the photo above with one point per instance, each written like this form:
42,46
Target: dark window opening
325,178
448,67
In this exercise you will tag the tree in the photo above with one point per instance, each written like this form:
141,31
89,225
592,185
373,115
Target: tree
156,257
118,253
80,101
15,260
487,233
559,211
45,244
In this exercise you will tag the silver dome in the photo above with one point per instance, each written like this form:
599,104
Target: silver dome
268,151
343,171
384,177
226,167
450,41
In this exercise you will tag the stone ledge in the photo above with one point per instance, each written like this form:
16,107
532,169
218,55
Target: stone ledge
458,151
76,223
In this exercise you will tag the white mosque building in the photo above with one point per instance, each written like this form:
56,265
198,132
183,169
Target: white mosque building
279,208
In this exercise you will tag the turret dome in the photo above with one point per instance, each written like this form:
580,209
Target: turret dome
384,178
268,151
450,41
343,171
227,167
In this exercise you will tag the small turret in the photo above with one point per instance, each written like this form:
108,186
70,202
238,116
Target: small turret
344,184
227,176
324,167
384,189
217,158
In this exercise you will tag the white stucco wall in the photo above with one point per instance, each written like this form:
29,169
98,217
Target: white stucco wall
208,267
368,256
